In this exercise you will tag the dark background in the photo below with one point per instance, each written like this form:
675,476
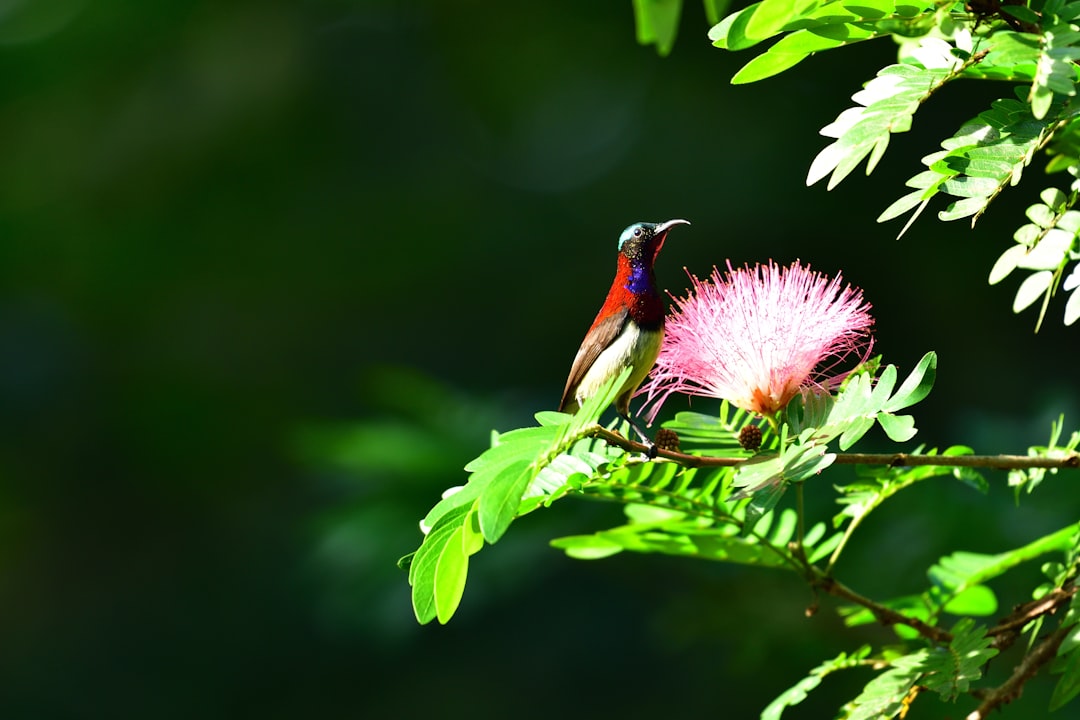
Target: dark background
271,272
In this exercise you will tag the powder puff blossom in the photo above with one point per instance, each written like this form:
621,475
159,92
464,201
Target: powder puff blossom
756,336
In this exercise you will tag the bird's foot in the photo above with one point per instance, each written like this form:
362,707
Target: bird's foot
651,450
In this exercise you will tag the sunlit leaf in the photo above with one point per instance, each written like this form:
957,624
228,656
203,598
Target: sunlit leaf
976,600
1033,288
657,23
899,428
798,692
451,568
587,547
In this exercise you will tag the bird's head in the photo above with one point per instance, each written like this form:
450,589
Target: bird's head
641,242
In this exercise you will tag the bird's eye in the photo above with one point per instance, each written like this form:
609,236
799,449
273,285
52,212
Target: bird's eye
637,232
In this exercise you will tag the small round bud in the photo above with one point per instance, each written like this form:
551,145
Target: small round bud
667,439
750,437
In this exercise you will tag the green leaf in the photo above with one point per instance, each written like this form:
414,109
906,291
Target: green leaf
976,600
730,33
640,513
795,47
715,9
859,427
1068,685
759,509
657,23
1033,288
587,547
451,568
717,434
551,417
766,65
770,16
684,538
986,155
1007,262
899,428
1072,307
955,574
758,472
445,538
950,671
885,106
1054,199
539,461
1055,70
472,539
916,386
883,697
798,692
499,502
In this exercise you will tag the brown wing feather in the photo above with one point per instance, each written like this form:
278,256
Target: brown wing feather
600,335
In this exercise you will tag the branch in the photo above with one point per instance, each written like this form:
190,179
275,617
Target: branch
992,462
1011,689
1070,460
1006,631
884,615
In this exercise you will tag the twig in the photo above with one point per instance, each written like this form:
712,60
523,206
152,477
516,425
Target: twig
1011,689
1005,632
993,462
1069,460
884,615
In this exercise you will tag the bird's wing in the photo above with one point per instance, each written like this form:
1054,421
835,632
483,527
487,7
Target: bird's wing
600,335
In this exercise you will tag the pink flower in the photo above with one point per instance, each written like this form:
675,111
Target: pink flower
756,336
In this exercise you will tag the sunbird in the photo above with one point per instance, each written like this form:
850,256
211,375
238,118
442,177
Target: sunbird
628,329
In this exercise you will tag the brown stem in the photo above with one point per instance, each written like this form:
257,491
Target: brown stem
884,615
993,462
1070,460
1006,631
1011,689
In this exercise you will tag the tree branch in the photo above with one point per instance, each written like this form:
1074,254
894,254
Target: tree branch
884,615
1070,460
1011,689
1006,631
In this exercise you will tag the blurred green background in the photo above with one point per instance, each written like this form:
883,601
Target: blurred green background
272,271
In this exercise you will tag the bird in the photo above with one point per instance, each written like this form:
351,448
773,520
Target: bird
629,328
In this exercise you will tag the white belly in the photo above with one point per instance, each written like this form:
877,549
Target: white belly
632,347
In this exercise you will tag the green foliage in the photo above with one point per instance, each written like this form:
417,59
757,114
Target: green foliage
766,544
810,27
798,692
726,504
722,503
1030,478
657,22
519,467
959,583
1033,45
885,106
947,670
1067,661
717,435
1045,246
862,401
711,513
985,156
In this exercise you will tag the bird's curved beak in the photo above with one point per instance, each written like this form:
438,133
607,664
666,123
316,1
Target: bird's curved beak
665,226
661,230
